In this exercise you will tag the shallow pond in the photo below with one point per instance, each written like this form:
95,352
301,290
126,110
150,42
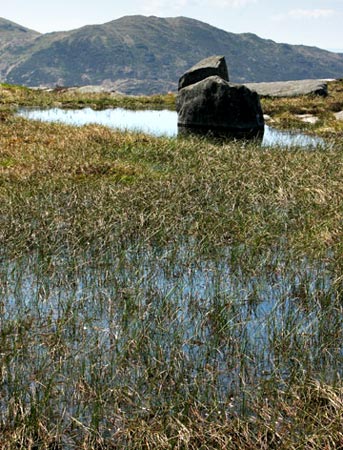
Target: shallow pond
157,123
125,317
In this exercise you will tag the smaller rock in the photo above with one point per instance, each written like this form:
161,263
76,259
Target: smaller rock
307,118
90,89
339,115
268,118
290,88
214,65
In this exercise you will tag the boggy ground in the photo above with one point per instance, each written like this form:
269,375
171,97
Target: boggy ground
286,112
168,293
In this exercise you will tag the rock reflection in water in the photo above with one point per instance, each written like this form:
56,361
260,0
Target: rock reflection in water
222,134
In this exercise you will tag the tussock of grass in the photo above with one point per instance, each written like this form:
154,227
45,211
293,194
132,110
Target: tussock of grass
217,193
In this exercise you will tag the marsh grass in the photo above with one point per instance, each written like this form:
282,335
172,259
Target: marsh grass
161,293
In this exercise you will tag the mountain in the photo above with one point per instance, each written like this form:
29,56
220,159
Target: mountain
138,54
13,40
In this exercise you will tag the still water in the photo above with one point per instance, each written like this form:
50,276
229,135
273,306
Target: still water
157,123
118,315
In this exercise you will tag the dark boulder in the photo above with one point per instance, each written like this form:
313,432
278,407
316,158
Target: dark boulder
219,107
214,65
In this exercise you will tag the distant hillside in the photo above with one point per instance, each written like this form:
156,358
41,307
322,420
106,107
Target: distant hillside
14,40
137,54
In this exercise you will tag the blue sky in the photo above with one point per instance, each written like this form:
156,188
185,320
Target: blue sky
309,22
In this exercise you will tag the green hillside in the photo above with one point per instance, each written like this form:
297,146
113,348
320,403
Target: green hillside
137,54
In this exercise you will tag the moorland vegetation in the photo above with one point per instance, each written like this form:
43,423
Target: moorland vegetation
168,293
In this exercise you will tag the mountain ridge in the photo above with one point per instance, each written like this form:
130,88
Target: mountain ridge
147,54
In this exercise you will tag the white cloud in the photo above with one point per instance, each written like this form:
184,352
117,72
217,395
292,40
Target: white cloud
299,14
229,3
311,13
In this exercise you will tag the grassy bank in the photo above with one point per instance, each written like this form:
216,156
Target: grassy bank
167,294
12,96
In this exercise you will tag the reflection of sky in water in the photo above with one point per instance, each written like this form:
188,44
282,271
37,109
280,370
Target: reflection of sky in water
182,300
158,123
273,136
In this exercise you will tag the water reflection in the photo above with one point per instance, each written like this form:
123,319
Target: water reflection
222,135
211,312
155,122
158,123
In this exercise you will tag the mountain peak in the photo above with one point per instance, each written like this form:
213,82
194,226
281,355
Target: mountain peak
9,26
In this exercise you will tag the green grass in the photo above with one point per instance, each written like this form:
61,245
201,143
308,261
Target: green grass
167,293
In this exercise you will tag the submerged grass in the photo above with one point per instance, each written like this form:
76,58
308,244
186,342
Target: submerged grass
168,294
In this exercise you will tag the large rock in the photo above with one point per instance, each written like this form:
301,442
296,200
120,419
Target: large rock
217,106
214,65
290,88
